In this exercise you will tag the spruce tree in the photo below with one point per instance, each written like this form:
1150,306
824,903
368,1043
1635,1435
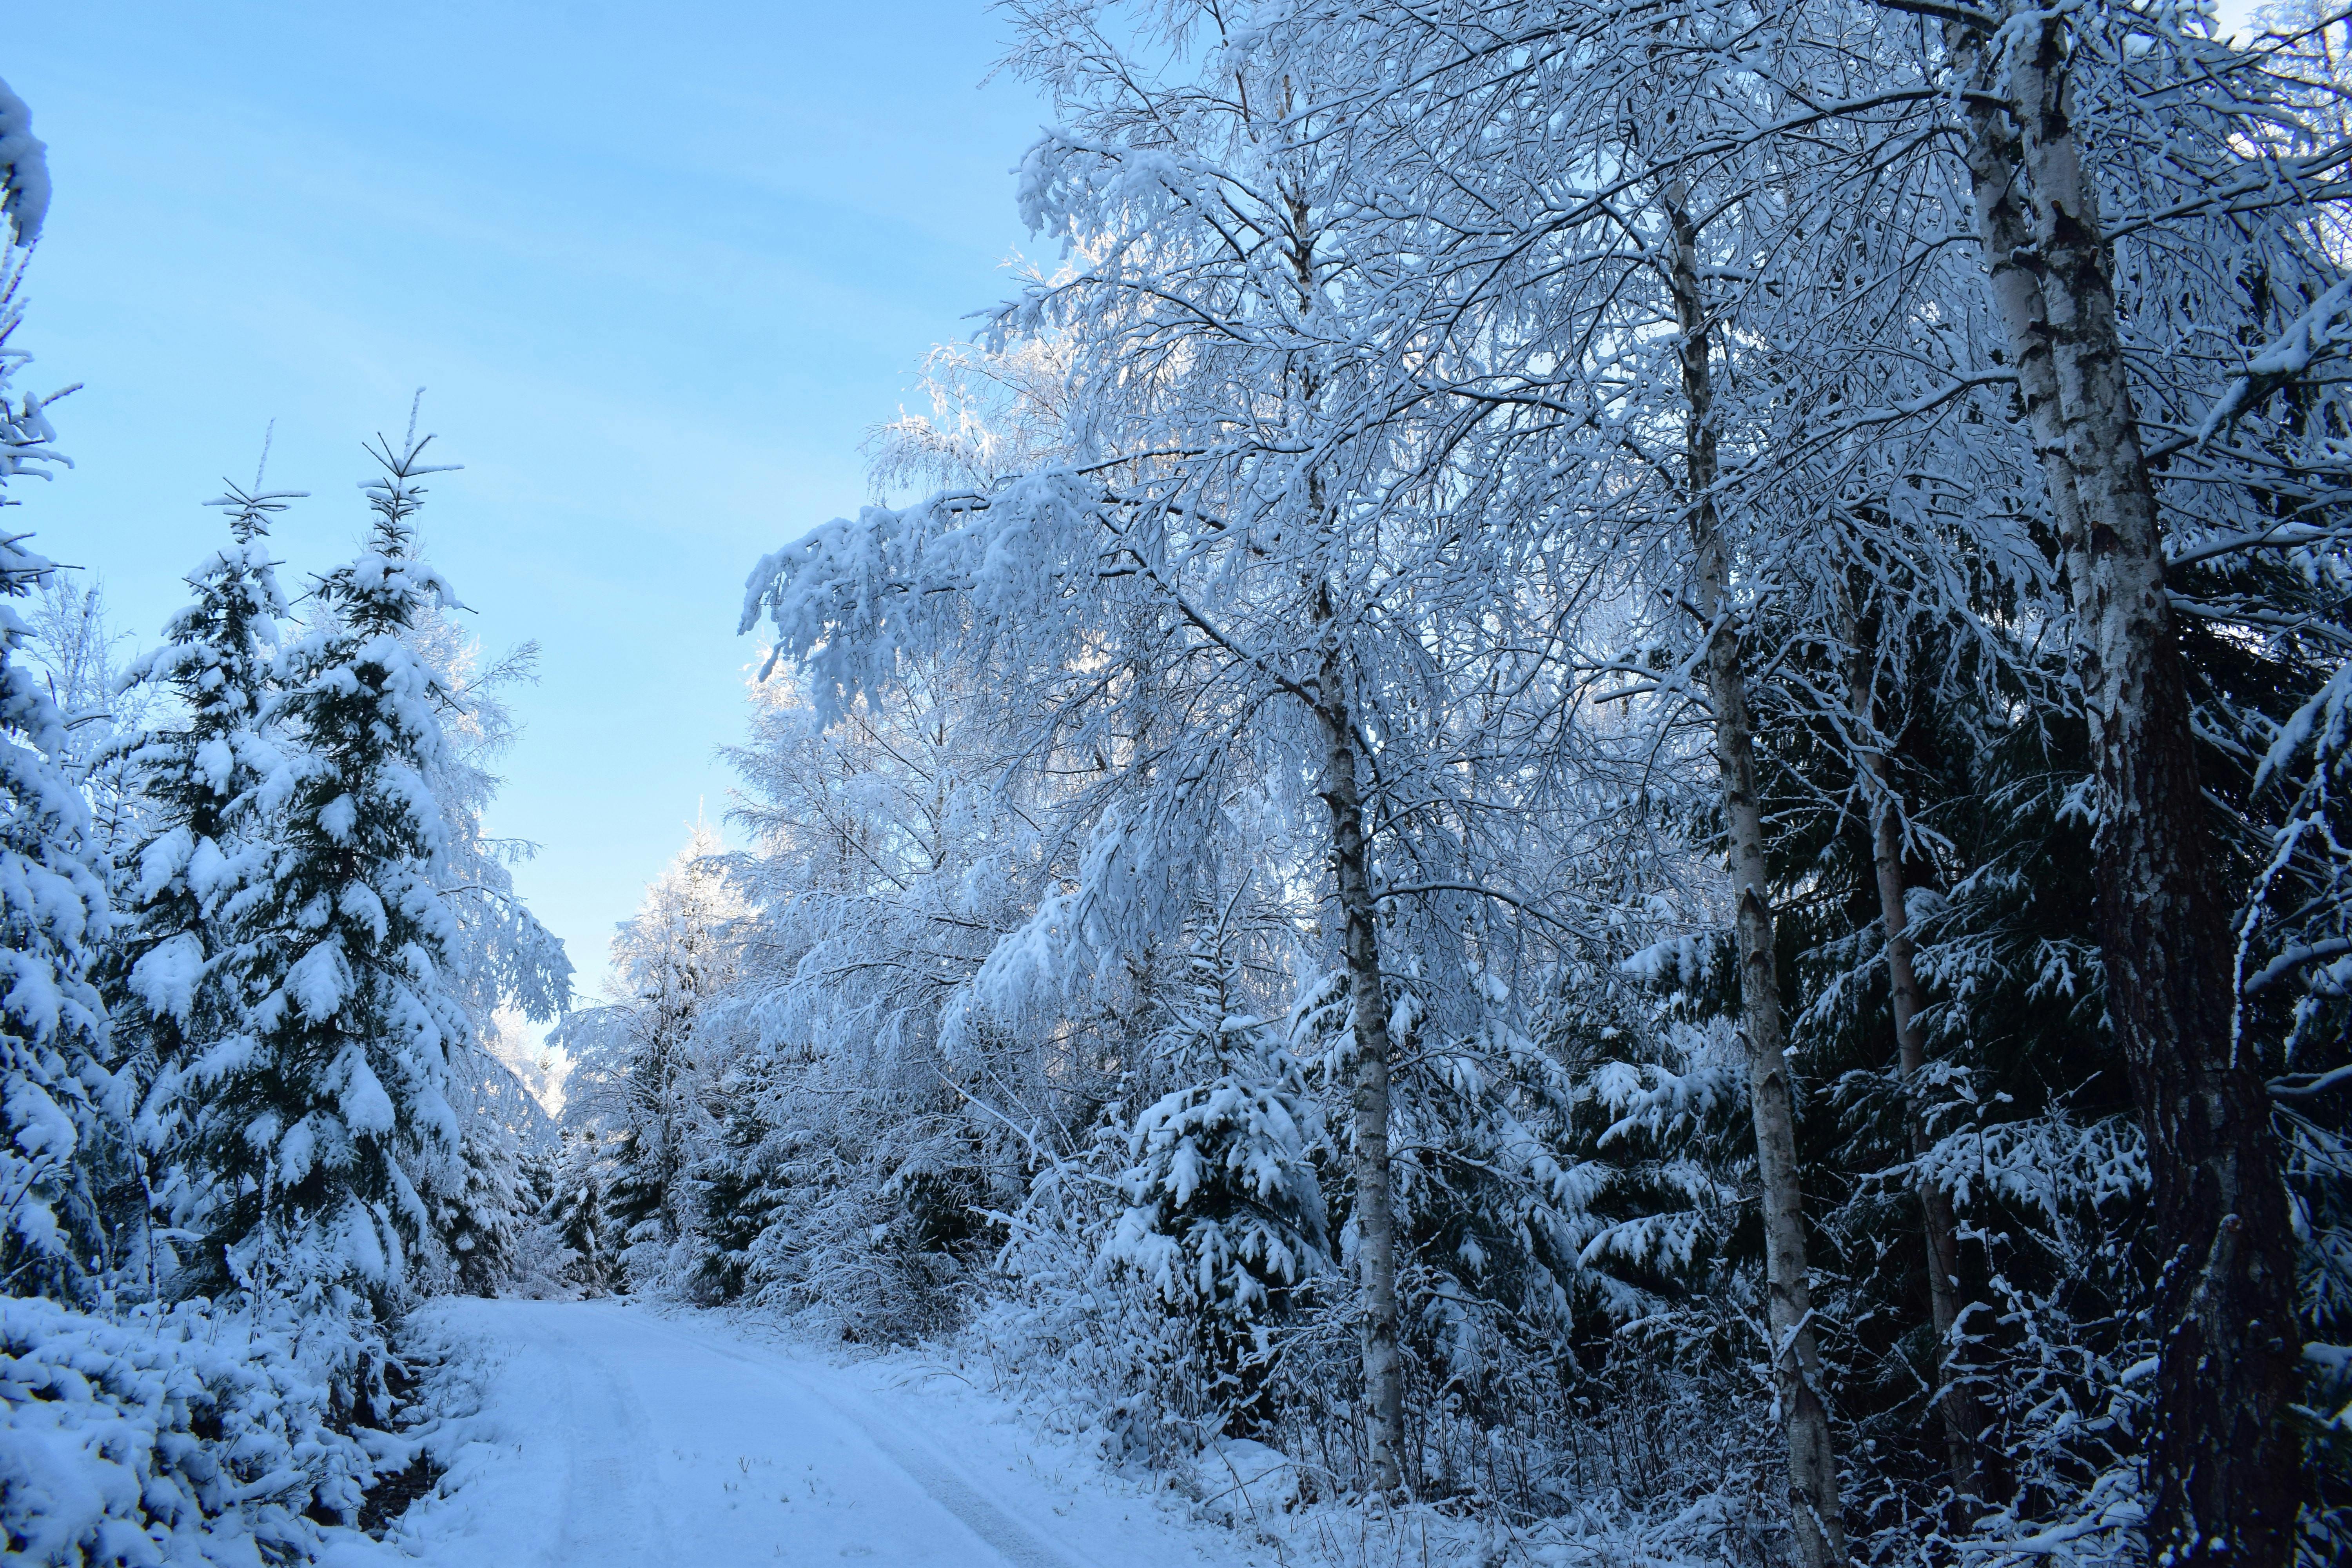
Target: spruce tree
576,1214
163,977
479,1219
54,1090
1225,1218
319,1124
502,1180
738,1190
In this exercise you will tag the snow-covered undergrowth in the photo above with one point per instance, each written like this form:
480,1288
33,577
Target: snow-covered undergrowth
1650,1486
173,1437
1065,1461
194,1434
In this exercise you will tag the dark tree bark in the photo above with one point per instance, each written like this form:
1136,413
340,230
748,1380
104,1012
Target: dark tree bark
2225,1474
1961,1415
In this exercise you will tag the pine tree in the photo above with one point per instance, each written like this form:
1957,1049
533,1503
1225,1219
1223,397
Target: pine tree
319,1123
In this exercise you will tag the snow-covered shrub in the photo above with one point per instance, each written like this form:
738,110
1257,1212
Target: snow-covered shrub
182,1436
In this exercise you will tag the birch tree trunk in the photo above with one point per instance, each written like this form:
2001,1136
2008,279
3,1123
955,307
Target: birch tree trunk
2005,237
1360,949
2225,1475
1796,1359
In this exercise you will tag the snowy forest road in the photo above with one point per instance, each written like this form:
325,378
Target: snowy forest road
612,1435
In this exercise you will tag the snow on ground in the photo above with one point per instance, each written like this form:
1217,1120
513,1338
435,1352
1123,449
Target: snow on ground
613,1434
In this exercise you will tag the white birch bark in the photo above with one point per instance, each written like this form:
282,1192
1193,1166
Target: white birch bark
1374,1211
1796,1358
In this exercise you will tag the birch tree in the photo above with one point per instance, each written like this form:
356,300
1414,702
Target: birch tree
1238,581
2224,1472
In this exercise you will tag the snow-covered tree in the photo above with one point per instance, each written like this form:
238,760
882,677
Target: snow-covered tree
888,856
321,1119
509,971
575,1216
55,1092
735,1180
196,778
511,963
481,1208
1237,585
2068,154
1226,1218
641,1061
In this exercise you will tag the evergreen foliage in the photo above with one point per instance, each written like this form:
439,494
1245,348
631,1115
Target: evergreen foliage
319,1122
637,1056
735,1185
234,1005
1608,791
1226,1220
165,973
578,1213
55,1091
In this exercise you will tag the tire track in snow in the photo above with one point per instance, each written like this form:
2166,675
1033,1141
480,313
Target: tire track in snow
1006,1536
604,1480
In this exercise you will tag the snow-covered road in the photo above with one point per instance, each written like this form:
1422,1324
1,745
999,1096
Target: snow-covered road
612,1435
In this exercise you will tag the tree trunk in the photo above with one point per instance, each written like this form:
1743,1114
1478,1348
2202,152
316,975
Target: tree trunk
1796,1360
1962,1418
1360,949
2225,1475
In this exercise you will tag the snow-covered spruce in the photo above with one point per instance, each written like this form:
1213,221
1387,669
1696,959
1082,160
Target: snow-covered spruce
506,968
1227,1217
54,1088
321,1119
171,998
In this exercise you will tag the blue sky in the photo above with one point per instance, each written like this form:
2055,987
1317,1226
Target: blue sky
659,268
